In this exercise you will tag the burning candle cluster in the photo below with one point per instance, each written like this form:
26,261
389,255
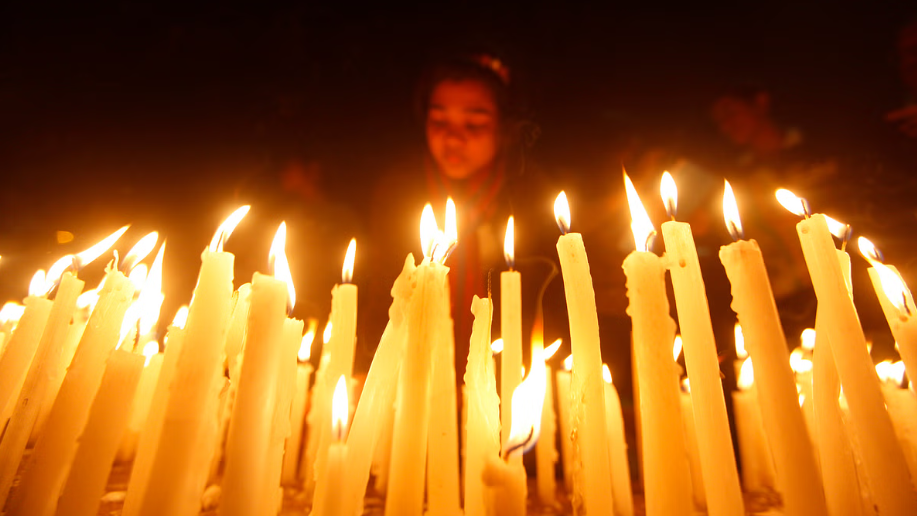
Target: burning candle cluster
227,410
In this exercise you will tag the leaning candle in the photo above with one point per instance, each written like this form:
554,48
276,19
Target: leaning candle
713,437
757,461
897,304
764,340
14,363
327,500
99,441
510,332
587,389
546,449
140,408
563,404
902,407
178,472
248,442
690,433
620,468
883,459
483,422
664,455
297,415
54,451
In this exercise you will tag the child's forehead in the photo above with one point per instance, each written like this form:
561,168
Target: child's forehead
466,95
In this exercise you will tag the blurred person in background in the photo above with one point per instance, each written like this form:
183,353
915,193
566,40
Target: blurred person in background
905,118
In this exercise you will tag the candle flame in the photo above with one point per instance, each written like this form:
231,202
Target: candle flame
568,363
895,289
227,227
731,213
891,372
640,225
807,339
347,270
305,348
181,317
669,192
798,363
326,335
11,312
552,349
138,276
606,374
429,231
497,346
686,385
141,250
802,399
789,200
88,299
280,267
451,230
528,400
509,244
746,376
562,212
340,408
97,250
837,228
52,278
37,286
149,351
740,342
869,250
676,347
151,296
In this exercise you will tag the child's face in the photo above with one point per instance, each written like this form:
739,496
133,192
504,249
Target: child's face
462,127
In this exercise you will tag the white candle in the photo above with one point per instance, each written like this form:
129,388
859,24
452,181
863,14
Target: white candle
563,404
883,460
510,332
713,437
293,447
140,408
483,442
758,473
546,449
327,500
902,408
15,361
620,466
664,455
587,389
690,433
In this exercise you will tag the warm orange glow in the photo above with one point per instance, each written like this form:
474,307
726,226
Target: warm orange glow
326,335
562,212
11,312
676,347
528,400
891,372
746,376
740,342
349,258
606,374
731,213
181,317
149,350
141,249
640,224
789,200
509,251
669,193
37,286
429,231
226,228
138,276
340,409
798,363
151,297
568,363
497,346
305,348
807,339
280,267
97,250
552,349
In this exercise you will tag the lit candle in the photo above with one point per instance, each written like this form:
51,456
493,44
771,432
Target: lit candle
883,459
764,340
53,454
564,400
140,408
664,455
297,415
248,442
506,478
35,388
802,367
98,443
327,499
429,306
483,441
713,437
15,361
897,303
546,449
587,386
758,473
690,433
371,428
620,467
181,460
315,418
902,407
510,331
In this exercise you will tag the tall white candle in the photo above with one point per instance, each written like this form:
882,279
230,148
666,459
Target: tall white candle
483,422
690,433
510,332
758,473
563,405
620,466
293,446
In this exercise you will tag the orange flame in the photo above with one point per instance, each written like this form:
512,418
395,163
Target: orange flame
789,200
305,348
429,231
11,312
508,243
326,335
280,267
746,376
37,286
562,212
640,225
669,192
149,351
340,409
226,228
807,339
676,347
349,258
552,349
141,249
606,374
731,213
740,342
181,317
528,400
568,363
799,364
497,346
151,296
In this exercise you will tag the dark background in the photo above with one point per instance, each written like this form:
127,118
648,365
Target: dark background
168,118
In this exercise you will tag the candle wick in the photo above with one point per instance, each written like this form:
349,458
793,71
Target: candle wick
848,232
806,210
651,238
522,445
907,309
